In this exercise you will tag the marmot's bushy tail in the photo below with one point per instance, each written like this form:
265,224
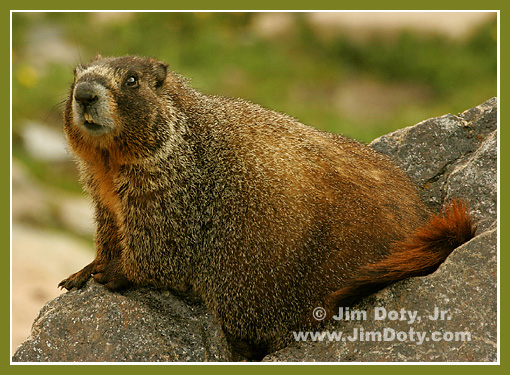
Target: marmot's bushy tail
418,255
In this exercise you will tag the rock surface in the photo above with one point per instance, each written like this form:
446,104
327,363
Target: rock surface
144,325
39,260
447,157
451,156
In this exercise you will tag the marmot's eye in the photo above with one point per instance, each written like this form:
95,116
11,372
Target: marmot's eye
132,81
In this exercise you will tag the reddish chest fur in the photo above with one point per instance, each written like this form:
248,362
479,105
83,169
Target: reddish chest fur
105,186
101,172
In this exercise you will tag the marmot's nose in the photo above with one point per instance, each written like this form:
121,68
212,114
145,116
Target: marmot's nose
85,94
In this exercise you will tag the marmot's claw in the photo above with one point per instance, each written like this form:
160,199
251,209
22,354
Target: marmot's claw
73,281
79,279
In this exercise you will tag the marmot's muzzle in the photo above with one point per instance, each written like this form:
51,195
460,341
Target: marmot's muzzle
91,107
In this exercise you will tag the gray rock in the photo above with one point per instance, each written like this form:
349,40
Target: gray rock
29,200
447,157
475,177
95,325
39,258
430,150
39,205
45,143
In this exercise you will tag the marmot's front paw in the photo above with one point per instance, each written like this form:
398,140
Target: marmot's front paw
111,276
77,280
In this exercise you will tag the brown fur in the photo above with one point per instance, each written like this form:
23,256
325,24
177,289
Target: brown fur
261,216
417,255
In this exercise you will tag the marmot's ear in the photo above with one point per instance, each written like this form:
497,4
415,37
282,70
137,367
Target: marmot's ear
159,70
97,57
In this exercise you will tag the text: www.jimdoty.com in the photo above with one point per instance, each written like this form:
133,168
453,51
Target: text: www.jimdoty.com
387,334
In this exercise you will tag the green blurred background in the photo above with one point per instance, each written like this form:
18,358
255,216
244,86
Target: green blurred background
359,74
362,82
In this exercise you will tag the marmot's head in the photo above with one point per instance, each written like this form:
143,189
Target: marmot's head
119,105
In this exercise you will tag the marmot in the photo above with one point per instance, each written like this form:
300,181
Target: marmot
261,216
